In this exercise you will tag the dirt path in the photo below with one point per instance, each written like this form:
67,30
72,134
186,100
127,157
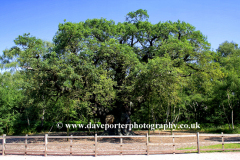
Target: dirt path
113,144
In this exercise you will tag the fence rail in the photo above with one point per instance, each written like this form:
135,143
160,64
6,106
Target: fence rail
97,150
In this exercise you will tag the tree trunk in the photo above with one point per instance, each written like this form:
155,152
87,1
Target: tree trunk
226,117
149,119
232,120
121,115
68,108
42,118
171,120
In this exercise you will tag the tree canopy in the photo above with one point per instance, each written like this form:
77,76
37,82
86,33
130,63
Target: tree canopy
134,70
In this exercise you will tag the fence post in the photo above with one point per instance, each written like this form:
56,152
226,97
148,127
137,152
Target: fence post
26,145
121,146
173,144
198,144
147,145
71,145
46,141
95,145
3,144
222,142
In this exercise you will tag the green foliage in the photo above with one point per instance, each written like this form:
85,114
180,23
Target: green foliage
162,72
11,100
216,146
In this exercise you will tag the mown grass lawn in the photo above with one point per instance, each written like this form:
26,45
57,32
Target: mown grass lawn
216,146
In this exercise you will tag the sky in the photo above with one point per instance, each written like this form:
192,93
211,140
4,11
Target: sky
219,20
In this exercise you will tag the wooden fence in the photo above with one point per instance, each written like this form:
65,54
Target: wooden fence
96,151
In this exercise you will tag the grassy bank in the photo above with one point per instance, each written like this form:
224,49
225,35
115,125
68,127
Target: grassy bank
217,146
